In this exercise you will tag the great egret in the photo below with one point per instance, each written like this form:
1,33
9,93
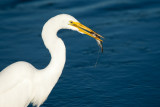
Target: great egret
22,84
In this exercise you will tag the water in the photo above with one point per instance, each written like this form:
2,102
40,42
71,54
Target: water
127,73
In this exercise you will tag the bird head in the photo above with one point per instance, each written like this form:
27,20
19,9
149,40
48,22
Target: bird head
70,22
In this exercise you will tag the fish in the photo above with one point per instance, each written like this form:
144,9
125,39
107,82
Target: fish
98,41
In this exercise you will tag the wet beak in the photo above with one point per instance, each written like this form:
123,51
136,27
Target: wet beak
89,32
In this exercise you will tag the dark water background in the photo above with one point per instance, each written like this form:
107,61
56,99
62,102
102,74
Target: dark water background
127,73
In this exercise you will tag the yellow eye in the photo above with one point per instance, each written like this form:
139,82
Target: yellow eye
71,21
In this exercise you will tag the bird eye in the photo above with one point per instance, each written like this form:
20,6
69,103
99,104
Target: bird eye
71,21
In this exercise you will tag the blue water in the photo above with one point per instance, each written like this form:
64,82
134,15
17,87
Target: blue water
127,73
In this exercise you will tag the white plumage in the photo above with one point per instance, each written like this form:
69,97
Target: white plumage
22,84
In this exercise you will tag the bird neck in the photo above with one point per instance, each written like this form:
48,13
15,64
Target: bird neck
56,48
49,34
58,58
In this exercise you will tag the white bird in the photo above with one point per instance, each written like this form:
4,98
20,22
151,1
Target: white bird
22,84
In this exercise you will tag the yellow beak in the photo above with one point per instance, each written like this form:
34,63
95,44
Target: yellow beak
86,30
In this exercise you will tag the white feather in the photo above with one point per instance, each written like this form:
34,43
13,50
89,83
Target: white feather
21,83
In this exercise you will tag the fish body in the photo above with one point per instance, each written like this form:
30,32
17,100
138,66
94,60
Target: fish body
98,41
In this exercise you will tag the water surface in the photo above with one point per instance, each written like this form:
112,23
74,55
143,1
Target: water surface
127,73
